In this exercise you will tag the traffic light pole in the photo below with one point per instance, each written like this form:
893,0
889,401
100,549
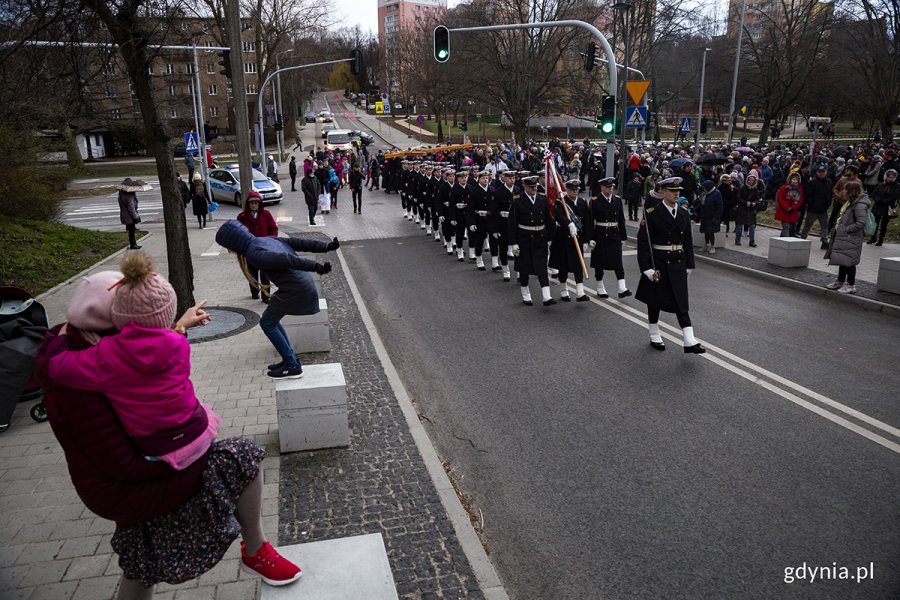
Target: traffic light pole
261,144
201,132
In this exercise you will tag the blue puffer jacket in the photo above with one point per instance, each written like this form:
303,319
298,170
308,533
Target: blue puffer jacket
277,257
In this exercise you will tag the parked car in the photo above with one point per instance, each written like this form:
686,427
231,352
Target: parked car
225,186
338,139
398,106
365,137
326,116
309,117
326,127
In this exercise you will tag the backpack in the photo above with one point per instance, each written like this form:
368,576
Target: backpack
870,222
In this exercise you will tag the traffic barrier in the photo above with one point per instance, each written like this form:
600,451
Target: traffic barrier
889,274
312,410
309,333
789,252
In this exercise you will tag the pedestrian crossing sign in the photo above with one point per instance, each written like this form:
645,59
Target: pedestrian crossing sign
191,144
636,117
685,125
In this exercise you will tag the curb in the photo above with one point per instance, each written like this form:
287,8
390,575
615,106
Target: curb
58,286
485,574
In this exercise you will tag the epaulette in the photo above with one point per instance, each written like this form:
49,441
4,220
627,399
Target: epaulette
516,196
650,210
593,197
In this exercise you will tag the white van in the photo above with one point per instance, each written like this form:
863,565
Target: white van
339,139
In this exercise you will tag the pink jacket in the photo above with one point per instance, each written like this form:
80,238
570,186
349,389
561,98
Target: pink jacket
145,373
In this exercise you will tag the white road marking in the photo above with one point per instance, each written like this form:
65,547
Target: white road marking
635,316
283,219
210,254
98,217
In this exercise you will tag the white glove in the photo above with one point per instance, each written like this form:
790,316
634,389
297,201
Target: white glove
504,213
453,223
514,250
472,228
689,271
648,274
573,231
592,244
496,236
440,219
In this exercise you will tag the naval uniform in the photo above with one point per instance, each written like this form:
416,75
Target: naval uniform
443,195
607,230
459,204
435,203
531,226
477,216
563,253
673,255
498,223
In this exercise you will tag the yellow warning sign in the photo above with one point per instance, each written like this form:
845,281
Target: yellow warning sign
379,108
637,89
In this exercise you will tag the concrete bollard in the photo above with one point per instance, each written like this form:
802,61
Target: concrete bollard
889,274
789,252
312,410
309,333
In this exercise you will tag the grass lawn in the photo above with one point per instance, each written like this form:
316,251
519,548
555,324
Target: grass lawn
36,256
768,219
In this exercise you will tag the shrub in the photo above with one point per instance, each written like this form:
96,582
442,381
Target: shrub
27,186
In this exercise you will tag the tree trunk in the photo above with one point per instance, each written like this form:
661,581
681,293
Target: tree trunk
887,130
73,154
764,132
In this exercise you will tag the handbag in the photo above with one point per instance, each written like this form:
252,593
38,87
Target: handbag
213,206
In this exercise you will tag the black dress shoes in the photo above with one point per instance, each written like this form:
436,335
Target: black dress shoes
657,345
695,349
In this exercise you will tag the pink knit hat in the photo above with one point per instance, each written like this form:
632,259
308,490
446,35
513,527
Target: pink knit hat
143,296
91,306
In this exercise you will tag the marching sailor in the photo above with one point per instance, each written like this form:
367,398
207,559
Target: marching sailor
400,186
459,203
607,226
666,259
563,252
443,194
437,180
530,228
477,217
498,224
424,191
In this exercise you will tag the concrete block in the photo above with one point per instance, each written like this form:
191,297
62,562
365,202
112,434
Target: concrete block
697,237
309,333
889,274
789,252
312,410
340,569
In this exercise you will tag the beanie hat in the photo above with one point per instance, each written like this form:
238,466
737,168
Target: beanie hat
708,184
91,306
143,296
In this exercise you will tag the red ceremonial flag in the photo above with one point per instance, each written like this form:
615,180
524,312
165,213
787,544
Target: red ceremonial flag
549,187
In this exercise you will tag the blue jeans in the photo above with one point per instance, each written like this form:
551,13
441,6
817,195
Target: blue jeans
788,229
270,323
751,232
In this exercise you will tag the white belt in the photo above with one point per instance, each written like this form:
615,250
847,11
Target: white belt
606,224
669,248
461,206
504,213
532,227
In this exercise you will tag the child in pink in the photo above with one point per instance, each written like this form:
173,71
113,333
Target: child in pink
144,370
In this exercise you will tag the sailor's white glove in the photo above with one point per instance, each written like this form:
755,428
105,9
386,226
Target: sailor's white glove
504,213
513,250
573,231
453,223
472,228
440,219
689,271
496,236
648,274
592,244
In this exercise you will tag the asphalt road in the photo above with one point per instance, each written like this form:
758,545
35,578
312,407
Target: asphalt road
604,469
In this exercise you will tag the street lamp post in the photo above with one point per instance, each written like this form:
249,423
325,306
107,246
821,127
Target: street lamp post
700,110
737,64
627,8
528,119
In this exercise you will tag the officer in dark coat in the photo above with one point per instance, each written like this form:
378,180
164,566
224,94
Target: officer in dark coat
563,253
478,214
459,204
444,189
666,258
437,178
530,229
607,227
424,196
498,222
399,184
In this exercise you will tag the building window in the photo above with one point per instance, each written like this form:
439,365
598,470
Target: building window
417,7
214,111
251,88
249,67
391,18
213,89
249,46
171,90
418,18
173,113
115,114
111,92
392,7
169,69
209,45
211,68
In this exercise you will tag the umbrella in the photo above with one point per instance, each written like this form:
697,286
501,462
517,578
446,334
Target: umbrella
133,185
677,163
745,149
712,158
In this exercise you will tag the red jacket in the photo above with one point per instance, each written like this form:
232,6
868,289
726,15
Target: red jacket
110,475
262,226
788,211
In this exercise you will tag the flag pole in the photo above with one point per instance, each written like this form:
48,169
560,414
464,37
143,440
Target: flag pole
562,198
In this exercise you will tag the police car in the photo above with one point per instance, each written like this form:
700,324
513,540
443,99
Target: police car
225,187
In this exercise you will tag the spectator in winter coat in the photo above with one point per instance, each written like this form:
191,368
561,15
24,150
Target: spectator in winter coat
885,197
850,175
729,200
817,197
689,189
199,200
633,196
749,197
292,171
128,208
787,205
183,190
710,213
845,247
260,223
873,173
356,186
374,174
311,189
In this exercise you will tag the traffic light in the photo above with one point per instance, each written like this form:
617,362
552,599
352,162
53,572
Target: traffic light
590,56
356,65
210,132
607,115
463,126
225,63
279,122
441,44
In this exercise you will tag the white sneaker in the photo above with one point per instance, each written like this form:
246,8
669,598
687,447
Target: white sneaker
847,289
834,285
712,249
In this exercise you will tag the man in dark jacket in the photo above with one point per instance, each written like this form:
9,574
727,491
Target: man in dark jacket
292,171
817,195
311,189
356,186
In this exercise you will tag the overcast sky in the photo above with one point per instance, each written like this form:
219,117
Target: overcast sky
363,13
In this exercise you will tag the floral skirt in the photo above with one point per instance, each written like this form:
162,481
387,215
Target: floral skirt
187,542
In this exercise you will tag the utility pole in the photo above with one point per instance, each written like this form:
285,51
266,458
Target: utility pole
737,64
700,110
241,117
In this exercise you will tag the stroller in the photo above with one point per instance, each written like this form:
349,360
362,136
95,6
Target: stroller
23,323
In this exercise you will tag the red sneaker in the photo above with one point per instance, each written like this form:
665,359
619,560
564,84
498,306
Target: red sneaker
271,566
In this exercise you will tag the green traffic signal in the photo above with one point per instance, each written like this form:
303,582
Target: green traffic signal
606,127
607,116
441,44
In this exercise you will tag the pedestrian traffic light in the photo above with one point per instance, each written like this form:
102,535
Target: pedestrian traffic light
607,115
441,44
590,56
225,63
210,132
356,64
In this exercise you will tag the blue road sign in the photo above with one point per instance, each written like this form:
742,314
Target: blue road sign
191,142
420,120
686,125
636,117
